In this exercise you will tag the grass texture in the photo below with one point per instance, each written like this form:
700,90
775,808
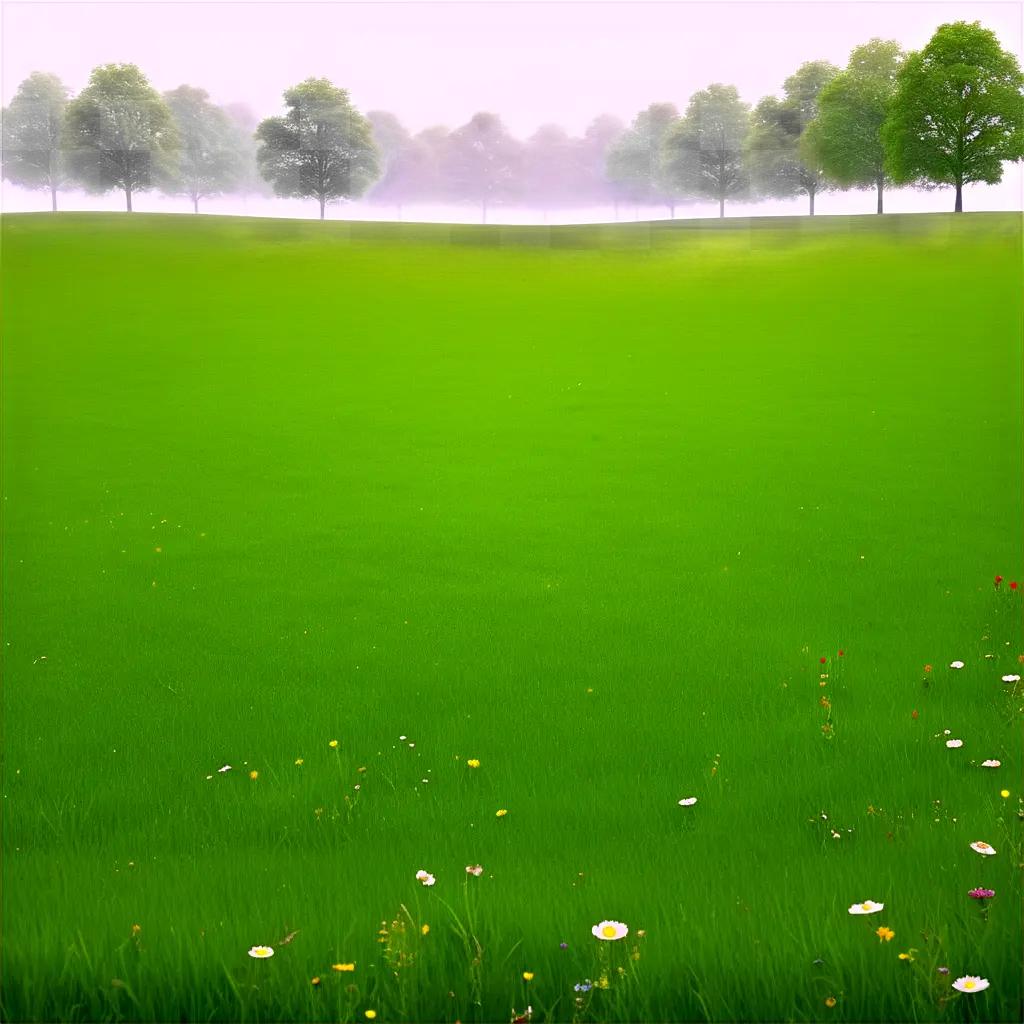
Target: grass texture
587,504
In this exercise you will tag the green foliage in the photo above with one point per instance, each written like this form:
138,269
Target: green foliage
482,162
777,162
852,107
211,156
32,128
958,113
703,153
119,133
636,160
321,149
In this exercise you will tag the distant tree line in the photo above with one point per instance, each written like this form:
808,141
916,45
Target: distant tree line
948,115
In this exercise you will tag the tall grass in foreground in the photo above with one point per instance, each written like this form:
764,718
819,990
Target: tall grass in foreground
587,507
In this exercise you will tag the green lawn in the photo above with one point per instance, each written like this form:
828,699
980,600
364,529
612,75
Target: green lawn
587,504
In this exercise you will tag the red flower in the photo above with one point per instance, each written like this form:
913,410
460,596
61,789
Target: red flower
927,668
823,660
913,714
999,579
1013,585
840,654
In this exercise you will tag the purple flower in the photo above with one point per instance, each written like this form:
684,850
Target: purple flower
942,970
982,894
563,945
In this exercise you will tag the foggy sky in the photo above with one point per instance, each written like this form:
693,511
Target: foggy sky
438,63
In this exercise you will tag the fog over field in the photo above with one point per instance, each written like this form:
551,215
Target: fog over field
439,64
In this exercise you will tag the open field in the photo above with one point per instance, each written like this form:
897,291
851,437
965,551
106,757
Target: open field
589,505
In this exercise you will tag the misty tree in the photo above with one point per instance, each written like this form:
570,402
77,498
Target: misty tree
483,162
209,162
704,153
600,136
958,112
777,162
243,126
119,133
32,129
553,171
397,161
846,136
321,149
636,163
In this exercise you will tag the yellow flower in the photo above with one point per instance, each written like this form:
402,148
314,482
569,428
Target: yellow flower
473,762
299,760
830,1002
885,934
136,928
370,1015
333,743
425,930
254,774
602,982
501,813
343,967
527,975
1004,793
314,981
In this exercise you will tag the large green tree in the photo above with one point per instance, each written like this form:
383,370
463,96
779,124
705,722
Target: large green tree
846,135
778,164
321,149
119,133
32,129
636,161
703,153
210,158
958,113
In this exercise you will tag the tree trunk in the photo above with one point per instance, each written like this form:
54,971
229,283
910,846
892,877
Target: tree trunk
128,199
810,192
323,203
721,206
959,207
672,210
879,184
195,204
53,197
616,205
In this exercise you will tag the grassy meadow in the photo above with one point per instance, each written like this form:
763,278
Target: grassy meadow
598,507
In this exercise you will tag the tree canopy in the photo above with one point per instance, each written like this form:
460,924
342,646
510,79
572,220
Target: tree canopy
636,161
32,128
958,112
321,149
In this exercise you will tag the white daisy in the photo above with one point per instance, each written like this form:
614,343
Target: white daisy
261,952
476,870
956,664
970,983
688,802
226,768
867,907
983,848
953,744
610,930
991,763
1011,679
425,877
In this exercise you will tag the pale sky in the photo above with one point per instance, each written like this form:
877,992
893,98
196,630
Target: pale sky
438,63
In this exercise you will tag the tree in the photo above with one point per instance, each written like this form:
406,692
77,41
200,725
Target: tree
635,162
777,163
119,133
704,151
32,129
553,172
396,157
243,124
483,162
958,112
600,137
847,133
321,149
209,162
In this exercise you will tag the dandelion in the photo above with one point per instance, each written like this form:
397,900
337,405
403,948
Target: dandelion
688,801
982,894
908,956
501,813
885,934
333,744
610,930
425,929
867,907
260,952
136,928
970,983
956,664
954,744
314,981
1004,793
527,975
476,870
370,1014
473,762
1012,678
830,1002
991,763
343,967
254,775
299,760
983,848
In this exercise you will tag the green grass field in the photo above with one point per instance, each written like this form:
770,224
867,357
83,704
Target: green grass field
586,504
